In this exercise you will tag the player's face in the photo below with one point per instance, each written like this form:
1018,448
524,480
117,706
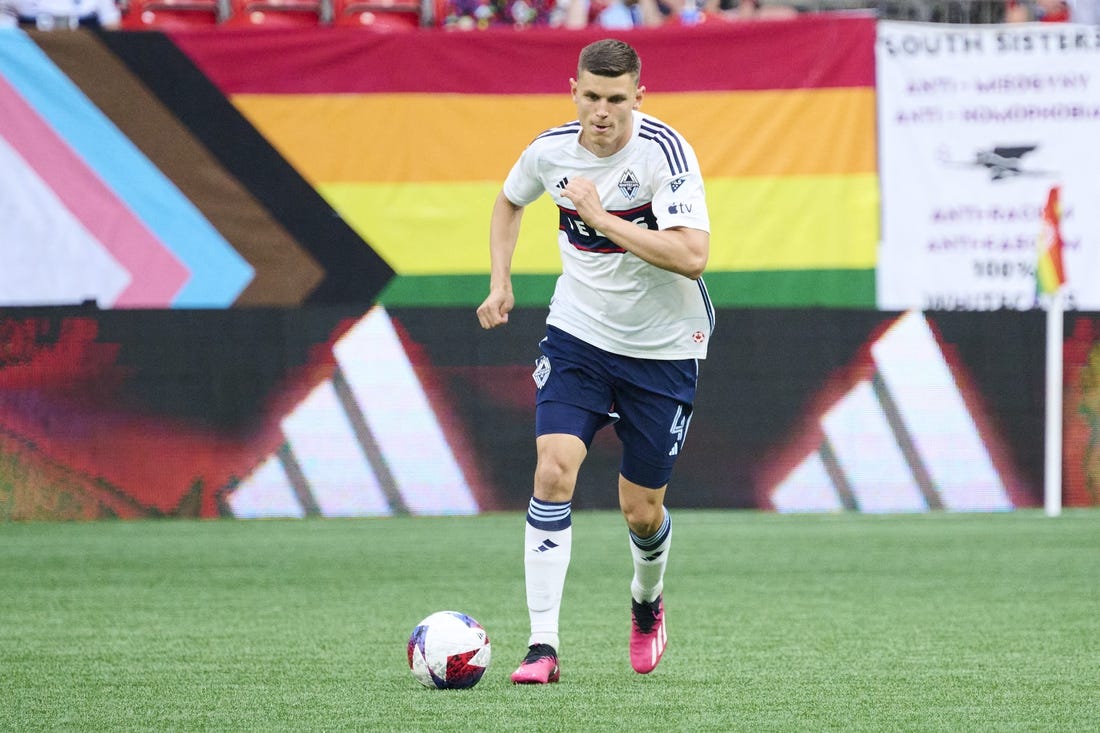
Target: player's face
604,106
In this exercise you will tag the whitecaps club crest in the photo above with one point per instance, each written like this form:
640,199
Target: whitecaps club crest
628,185
542,371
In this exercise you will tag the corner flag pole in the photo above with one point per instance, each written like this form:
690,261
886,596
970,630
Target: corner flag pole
1052,473
1050,277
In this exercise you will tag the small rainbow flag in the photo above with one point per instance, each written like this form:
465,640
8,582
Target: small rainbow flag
1050,273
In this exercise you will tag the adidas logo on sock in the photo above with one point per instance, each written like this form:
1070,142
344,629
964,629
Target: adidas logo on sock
654,556
546,545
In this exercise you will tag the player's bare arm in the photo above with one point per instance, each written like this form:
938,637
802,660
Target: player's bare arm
678,249
503,235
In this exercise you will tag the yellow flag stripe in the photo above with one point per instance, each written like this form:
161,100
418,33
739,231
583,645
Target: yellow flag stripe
332,138
763,223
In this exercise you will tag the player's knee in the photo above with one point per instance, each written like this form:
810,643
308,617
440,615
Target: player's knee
643,526
643,518
554,480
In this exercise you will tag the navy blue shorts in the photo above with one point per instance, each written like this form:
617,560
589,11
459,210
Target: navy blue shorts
582,388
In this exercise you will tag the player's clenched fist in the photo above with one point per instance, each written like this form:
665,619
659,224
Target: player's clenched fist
586,199
494,311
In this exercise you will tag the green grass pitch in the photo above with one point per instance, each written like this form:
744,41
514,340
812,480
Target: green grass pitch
940,622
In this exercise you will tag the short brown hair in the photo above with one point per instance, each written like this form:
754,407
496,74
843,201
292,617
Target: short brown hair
610,57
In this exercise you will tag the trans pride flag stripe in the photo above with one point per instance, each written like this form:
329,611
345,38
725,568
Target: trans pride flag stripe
216,272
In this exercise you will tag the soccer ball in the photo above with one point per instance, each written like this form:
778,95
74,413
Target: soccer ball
448,650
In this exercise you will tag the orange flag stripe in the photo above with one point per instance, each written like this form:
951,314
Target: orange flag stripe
406,138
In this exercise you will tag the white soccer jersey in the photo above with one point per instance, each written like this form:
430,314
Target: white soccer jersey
605,295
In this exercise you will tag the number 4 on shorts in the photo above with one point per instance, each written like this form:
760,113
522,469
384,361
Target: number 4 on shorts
679,428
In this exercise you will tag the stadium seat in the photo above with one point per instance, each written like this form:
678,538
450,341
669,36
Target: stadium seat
378,15
169,14
278,13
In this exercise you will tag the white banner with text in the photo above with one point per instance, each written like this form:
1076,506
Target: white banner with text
976,125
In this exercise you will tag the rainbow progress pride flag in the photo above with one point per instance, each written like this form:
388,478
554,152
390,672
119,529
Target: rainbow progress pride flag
1050,273
409,137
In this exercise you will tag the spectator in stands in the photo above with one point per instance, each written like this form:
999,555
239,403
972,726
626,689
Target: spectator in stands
624,14
1016,12
1046,11
621,14
481,14
1084,11
1052,11
48,15
747,10
569,14
610,14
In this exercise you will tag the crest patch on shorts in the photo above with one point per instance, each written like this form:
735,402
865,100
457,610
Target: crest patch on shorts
542,371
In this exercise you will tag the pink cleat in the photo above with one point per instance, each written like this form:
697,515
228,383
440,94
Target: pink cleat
539,667
648,636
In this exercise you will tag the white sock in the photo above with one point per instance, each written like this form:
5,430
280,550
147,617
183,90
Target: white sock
548,542
650,558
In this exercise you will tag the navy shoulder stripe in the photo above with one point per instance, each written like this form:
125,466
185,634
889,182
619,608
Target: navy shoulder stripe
670,143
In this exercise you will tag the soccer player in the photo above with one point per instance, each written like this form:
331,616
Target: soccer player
628,321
